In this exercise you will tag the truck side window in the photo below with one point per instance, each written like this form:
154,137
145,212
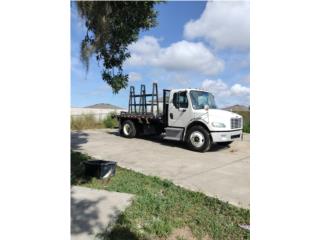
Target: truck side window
180,99
183,100
175,100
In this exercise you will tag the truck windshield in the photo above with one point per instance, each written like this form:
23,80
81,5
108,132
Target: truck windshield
200,99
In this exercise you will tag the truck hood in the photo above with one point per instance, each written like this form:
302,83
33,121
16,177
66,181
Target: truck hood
217,115
223,115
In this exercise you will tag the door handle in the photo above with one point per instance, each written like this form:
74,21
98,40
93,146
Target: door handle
171,115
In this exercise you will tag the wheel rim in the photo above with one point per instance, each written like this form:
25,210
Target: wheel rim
197,139
127,129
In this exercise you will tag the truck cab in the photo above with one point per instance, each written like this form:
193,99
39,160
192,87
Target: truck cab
194,118
188,115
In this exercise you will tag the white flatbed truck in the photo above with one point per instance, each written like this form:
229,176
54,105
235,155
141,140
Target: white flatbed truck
188,115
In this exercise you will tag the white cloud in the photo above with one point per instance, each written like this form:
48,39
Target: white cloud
179,56
239,90
144,50
217,87
225,95
134,76
224,24
220,88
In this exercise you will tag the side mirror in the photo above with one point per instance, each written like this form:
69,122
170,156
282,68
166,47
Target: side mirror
182,109
206,107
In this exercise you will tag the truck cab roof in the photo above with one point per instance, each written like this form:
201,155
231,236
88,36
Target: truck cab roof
187,89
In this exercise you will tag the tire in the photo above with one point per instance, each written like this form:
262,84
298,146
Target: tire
225,144
128,129
198,139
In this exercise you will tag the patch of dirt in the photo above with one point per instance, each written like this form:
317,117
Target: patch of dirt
183,234
233,150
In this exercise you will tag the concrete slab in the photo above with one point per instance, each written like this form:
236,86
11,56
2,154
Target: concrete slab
93,210
221,172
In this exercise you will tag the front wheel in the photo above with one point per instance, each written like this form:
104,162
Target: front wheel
128,129
198,139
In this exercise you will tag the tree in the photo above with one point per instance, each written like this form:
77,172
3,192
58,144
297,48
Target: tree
111,27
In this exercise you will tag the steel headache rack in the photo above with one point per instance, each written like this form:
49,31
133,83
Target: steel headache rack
147,104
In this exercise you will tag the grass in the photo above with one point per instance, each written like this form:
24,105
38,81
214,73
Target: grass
88,121
159,207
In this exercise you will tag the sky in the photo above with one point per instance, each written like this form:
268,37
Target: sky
202,45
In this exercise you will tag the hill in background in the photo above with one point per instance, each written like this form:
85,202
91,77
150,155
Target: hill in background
237,108
103,106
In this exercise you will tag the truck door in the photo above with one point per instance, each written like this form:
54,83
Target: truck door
179,110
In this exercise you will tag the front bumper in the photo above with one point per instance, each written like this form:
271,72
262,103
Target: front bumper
226,136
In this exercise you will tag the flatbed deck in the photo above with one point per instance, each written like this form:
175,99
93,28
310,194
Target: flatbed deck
139,115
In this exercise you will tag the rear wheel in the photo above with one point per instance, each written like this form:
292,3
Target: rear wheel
198,139
128,129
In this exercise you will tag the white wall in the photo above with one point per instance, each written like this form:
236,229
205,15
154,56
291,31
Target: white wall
98,113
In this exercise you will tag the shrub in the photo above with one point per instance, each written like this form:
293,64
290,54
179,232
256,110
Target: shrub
246,127
85,121
110,122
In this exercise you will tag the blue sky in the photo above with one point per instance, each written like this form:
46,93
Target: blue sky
195,44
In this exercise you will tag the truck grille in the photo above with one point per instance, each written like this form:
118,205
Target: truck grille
236,123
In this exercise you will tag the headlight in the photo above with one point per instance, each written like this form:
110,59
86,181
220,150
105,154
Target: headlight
218,125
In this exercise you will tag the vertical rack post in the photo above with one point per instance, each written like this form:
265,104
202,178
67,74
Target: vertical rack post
134,101
155,95
130,99
164,108
152,99
156,92
142,99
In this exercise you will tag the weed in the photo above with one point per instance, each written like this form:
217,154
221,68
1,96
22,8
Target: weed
85,121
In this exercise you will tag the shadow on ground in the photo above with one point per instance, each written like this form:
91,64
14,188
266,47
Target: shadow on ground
88,220
84,215
78,138
84,212
118,231
170,143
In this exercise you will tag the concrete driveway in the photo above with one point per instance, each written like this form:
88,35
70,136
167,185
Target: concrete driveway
222,172
93,211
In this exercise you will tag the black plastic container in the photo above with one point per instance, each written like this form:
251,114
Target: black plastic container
100,168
